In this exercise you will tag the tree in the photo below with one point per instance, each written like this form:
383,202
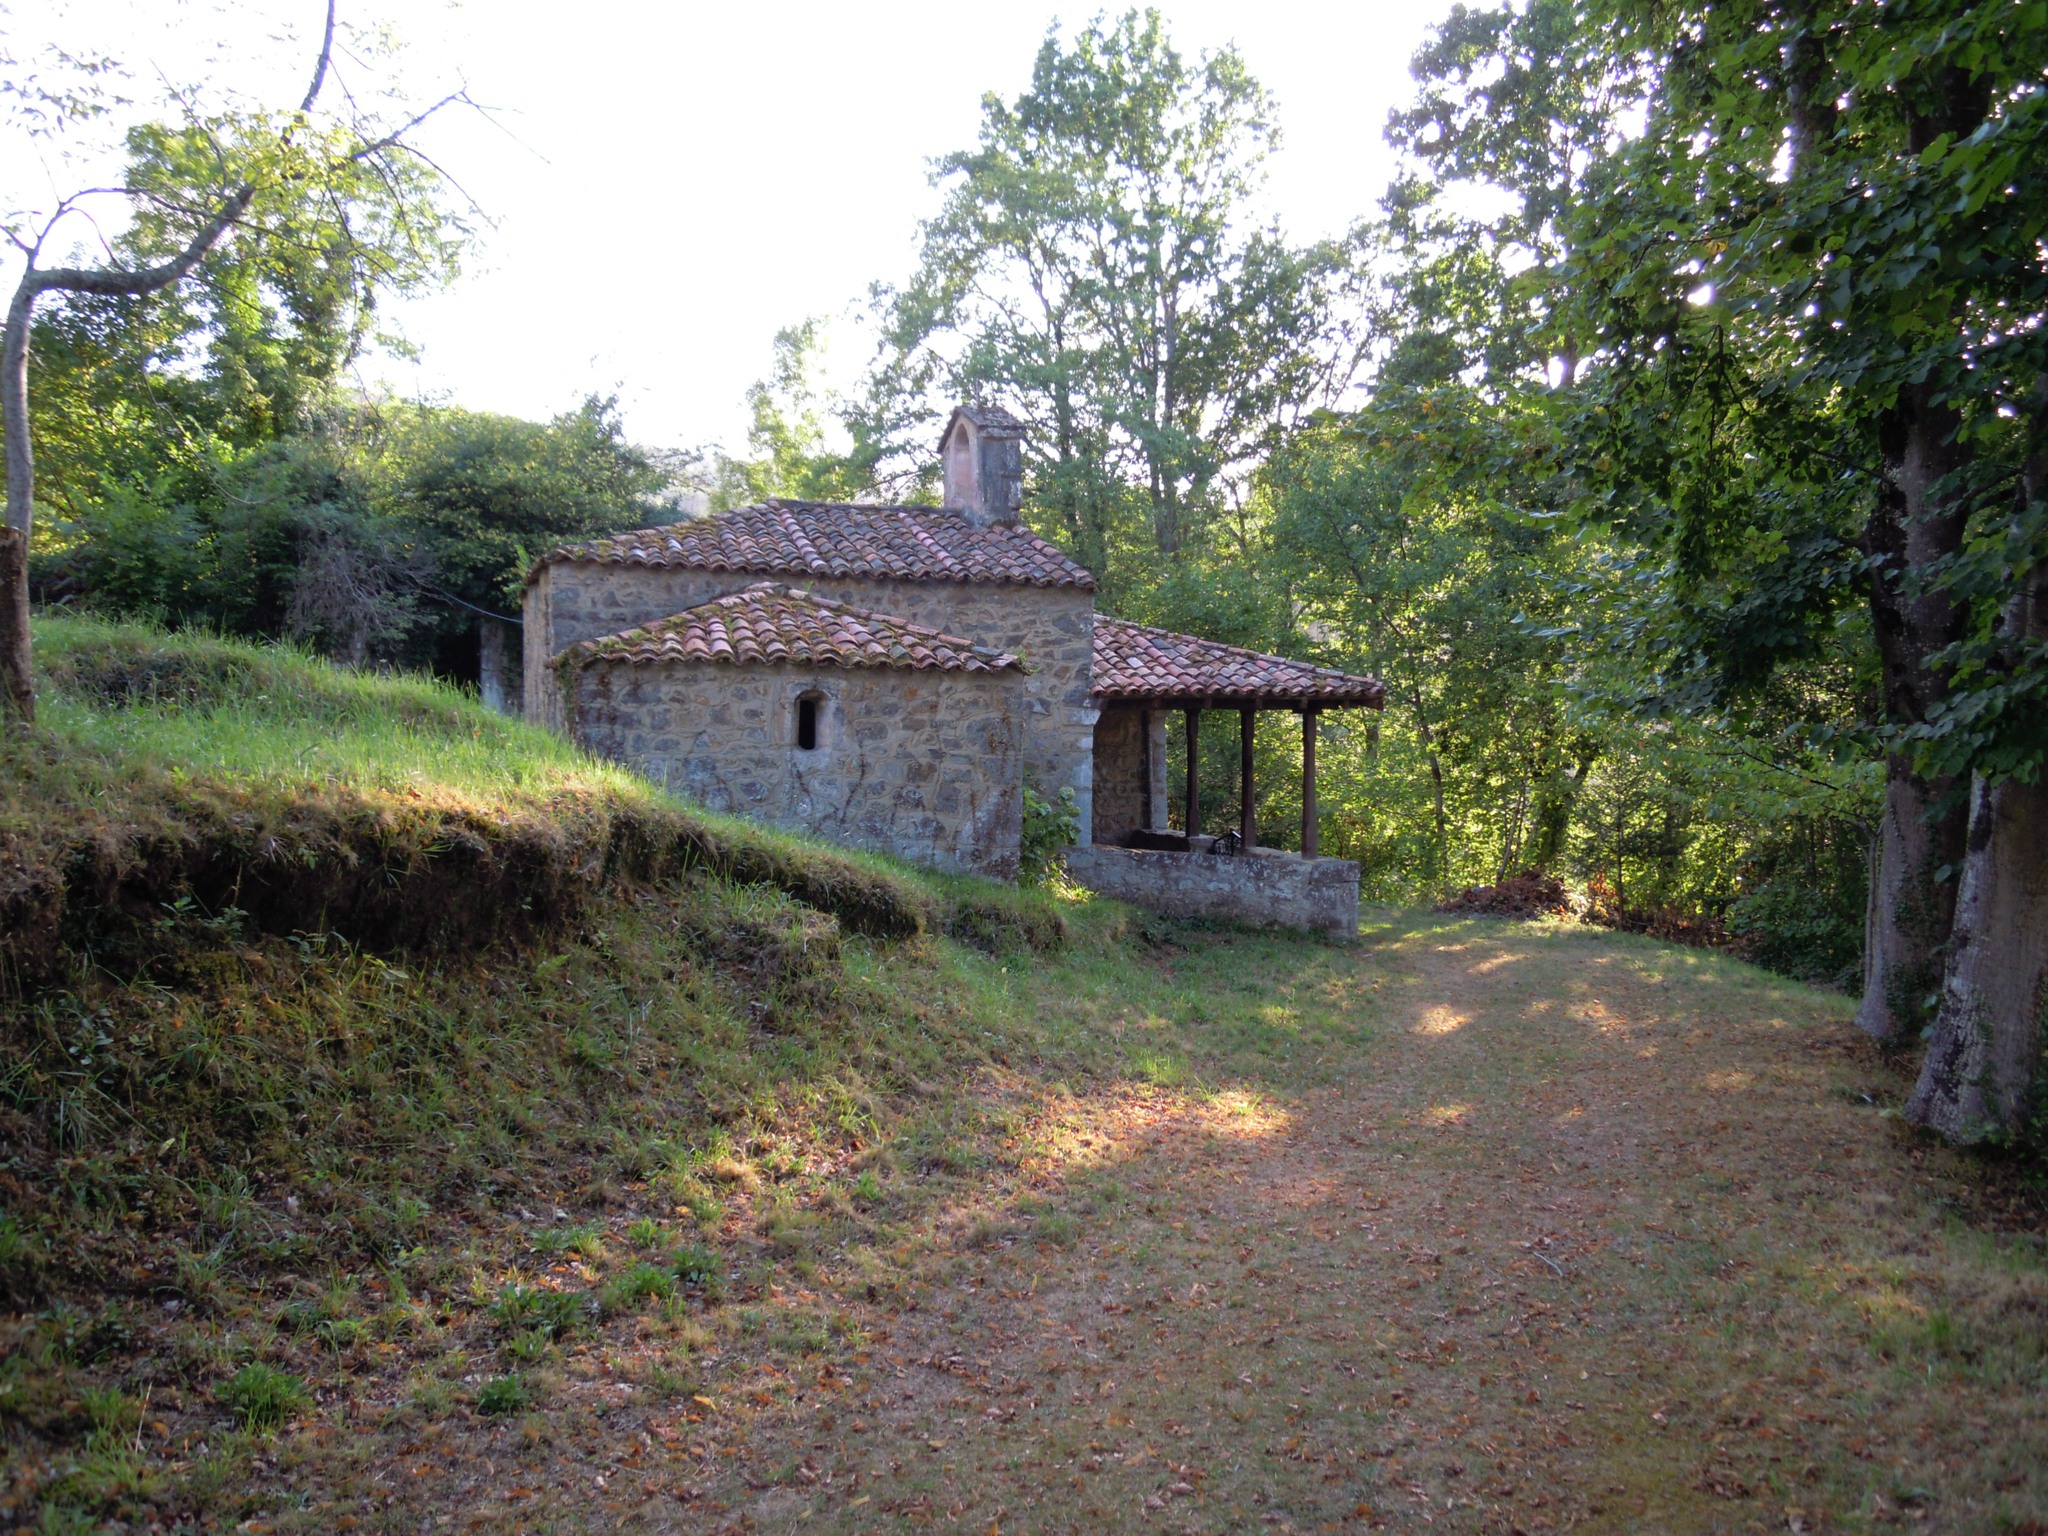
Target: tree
481,497
1093,268
1861,210
1810,294
379,531
1522,102
324,210
1423,575
789,453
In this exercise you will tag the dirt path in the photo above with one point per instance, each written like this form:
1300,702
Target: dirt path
1589,1235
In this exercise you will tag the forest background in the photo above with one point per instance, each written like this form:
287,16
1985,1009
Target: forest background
1693,513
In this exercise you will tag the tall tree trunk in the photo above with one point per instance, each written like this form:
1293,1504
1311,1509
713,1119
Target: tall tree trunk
1980,1078
1910,910
1978,1081
17,684
1556,799
1911,530
1924,821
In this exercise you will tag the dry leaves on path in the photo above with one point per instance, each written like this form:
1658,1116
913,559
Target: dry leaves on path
1592,1236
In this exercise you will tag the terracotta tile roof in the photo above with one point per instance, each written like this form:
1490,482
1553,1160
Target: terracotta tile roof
830,538
769,622
1137,663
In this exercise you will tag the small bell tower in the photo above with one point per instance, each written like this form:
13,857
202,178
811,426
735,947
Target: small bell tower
981,455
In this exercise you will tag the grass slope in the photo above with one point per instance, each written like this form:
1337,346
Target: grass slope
612,1166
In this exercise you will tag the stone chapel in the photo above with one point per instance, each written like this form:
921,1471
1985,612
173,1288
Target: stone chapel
889,677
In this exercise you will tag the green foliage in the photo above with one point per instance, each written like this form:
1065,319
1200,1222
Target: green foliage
553,1313
1095,267
695,1264
787,438
640,1283
1800,931
1818,279
584,1237
374,532
1050,828
262,1397
511,1393
1441,589
23,1256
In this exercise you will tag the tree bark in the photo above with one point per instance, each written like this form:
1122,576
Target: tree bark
1556,797
17,683
21,464
1980,1079
16,680
1910,911
1924,820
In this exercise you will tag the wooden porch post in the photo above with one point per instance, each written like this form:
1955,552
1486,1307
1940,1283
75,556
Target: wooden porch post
1310,841
1194,810
1247,825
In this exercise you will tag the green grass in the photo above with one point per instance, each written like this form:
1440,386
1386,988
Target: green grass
321,994
263,1397
130,699
180,788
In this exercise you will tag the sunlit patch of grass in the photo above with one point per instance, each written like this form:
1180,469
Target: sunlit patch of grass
1437,1019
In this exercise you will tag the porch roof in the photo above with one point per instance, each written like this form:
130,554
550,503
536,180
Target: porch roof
1136,664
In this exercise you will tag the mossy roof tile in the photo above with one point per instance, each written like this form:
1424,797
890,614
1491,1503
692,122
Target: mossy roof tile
1135,663
769,622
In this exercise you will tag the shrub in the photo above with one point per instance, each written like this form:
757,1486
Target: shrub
21,1263
263,1397
530,1344
643,1282
585,1239
525,1306
1050,828
1798,932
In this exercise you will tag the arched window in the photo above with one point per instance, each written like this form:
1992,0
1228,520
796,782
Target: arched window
808,708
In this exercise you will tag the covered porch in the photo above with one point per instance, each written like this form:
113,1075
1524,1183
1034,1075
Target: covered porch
1140,676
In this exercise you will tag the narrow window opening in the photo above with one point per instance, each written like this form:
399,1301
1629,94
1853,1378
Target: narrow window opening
807,724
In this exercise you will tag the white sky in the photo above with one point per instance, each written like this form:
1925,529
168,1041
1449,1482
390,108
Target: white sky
672,183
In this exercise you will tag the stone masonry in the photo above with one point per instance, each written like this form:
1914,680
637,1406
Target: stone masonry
1050,629
896,677
1130,772
924,765
1264,887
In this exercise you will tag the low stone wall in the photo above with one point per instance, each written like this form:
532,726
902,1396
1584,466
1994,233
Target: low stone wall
1266,888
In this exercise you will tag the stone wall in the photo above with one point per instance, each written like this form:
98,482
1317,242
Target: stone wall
924,765
1051,629
1130,772
1264,888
